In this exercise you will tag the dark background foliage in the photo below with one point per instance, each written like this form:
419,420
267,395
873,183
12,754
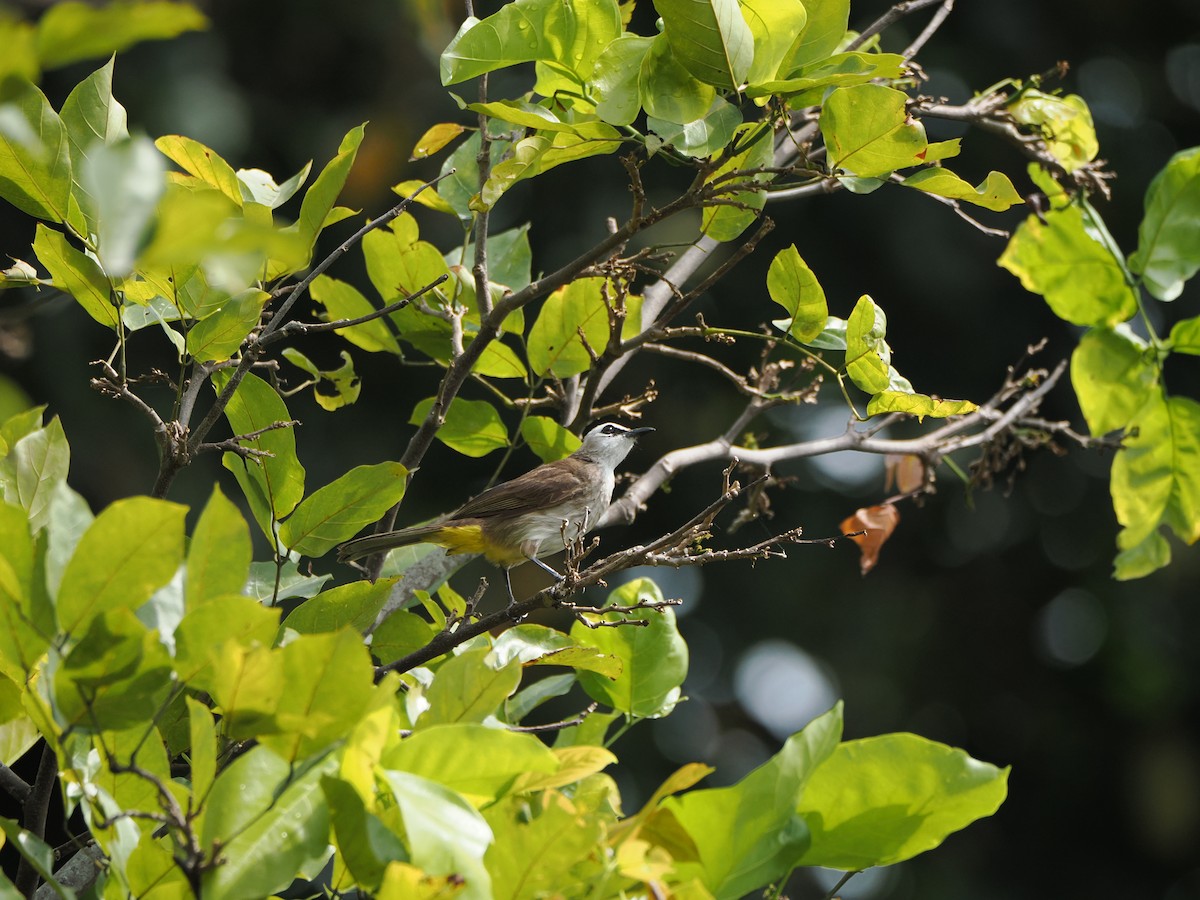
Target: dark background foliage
991,622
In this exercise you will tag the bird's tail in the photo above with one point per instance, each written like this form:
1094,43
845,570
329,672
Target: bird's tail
380,543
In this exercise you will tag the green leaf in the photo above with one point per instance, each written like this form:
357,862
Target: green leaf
537,852
446,836
1064,122
399,635
667,90
867,353
919,405
201,636
1185,336
254,406
995,192
654,657
39,463
353,605
468,688
1114,375
269,584
320,197
710,38
472,427
218,336
35,155
554,345
344,301
365,844
20,58
571,33
339,510
749,834
39,854
218,557
510,261
332,388
328,681
124,181
478,762
882,800
774,25
868,132
541,646
702,137
202,744
523,163
279,835
133,548
23,635
724,222
808,83
822,33
792,284
548,439
259,187
614,80
201,162
117,676
1168,252
72,31
77,274
1080,278
1156,481
92,115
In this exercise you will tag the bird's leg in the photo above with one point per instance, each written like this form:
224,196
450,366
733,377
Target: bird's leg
538,562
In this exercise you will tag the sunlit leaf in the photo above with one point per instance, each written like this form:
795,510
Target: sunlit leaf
1168,251
710,38
132,548
995,192
74,30
435,138
548,439
339,510
654,657
472,427
877,524
882,800
792,284
1081,279
1114,375
1064,122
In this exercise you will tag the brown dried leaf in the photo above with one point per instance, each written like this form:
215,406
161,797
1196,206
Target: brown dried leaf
876,524
906,471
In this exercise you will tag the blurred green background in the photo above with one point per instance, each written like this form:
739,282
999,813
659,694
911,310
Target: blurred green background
991,622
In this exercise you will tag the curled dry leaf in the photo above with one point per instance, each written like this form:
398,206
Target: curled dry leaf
874,525
906,471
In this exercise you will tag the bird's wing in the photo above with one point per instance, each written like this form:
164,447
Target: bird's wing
545,486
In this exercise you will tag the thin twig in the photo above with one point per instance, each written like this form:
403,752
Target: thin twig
576,719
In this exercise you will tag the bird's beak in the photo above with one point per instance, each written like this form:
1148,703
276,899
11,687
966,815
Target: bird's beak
635,432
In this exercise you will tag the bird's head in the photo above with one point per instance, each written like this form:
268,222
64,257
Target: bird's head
609,443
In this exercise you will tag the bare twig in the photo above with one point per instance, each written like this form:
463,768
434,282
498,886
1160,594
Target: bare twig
293,328
13,784
576,719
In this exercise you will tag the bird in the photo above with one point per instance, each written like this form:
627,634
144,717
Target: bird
533,515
